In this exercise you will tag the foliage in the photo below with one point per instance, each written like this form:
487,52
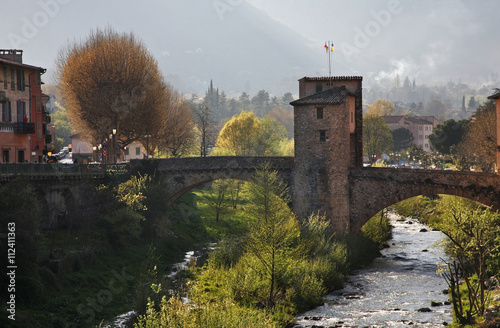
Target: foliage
21,216
472,233
479,145
176,314
131,192
217,198
418,155
63,129
110,81
177,135
377,137
447,135
402,139
240,134
246,135
206,127
381,107
124,226
378,229
272,232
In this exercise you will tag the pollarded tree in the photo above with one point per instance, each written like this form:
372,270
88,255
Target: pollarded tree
110,81
377,136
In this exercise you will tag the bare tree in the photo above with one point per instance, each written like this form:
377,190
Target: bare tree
206,127
110,83
177,135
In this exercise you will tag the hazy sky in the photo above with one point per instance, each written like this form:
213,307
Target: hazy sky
248,45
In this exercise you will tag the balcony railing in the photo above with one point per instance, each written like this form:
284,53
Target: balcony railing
22,127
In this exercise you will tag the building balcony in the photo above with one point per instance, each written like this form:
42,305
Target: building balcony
26,128
46,117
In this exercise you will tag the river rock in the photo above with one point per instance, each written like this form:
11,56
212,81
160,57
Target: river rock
423,230
424,310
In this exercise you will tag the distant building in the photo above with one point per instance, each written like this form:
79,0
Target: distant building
24,135
420,127
84,152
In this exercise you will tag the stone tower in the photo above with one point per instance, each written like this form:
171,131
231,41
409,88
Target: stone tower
328,140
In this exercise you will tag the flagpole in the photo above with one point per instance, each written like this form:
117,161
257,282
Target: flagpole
329,50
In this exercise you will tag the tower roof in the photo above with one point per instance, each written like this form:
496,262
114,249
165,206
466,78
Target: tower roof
333,96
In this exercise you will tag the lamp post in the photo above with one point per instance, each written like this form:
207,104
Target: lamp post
147,145
93,153
114,146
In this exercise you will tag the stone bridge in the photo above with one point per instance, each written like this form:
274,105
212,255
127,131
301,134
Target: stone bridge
184,174
370,189
373,189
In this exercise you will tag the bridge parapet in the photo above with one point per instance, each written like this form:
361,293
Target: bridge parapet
279,163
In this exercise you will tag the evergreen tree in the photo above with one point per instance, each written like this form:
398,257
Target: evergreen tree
244,101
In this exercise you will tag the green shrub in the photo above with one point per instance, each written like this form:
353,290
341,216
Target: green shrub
226,254
378,229
123,226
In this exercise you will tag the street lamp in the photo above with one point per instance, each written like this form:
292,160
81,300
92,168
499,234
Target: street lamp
147,145
93,153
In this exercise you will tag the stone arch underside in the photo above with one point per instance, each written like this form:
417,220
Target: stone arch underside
373,189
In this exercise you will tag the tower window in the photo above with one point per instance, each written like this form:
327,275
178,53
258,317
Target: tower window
322,135
319,113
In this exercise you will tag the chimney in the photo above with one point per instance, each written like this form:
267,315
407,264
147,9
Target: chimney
12,55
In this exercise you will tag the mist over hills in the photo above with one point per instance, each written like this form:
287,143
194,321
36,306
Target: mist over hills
249,45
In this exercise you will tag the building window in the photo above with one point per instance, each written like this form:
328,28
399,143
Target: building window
319,86
319,113
138,151
38,104
322,135
12,79
420,128
6,112
39,129
20,80
21,112
421,137
5,78
427,146
426,128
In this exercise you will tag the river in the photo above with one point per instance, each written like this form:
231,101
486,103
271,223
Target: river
395,289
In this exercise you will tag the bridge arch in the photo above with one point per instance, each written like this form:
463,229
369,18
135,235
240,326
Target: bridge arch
374,189
183,174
